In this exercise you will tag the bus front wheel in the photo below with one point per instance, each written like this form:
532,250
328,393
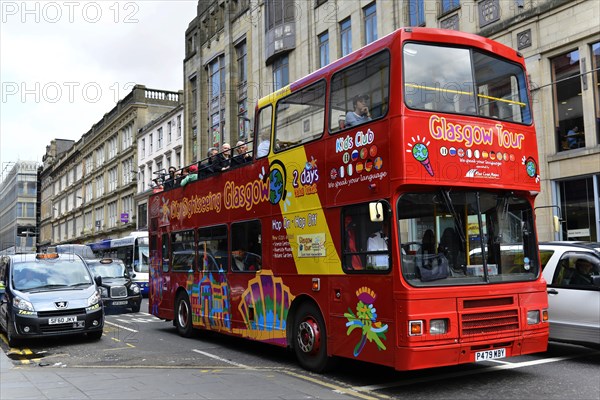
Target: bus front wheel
310,339
183,316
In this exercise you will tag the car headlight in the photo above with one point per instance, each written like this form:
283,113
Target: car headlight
135,288
94,299
23,304
103,291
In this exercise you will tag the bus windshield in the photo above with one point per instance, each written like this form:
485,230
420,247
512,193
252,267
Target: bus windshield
449,238
142,254
464,81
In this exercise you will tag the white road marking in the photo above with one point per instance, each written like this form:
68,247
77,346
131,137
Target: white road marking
222,359
471,372
120,326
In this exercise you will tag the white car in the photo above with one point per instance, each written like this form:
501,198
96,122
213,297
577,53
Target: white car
572,271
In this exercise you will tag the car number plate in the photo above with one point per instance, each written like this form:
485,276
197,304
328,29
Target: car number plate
490,355
61,320
119,303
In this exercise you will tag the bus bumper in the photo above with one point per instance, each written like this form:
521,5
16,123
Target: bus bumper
413,358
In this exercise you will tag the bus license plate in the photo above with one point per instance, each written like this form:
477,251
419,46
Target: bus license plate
61,320
119,302
490,355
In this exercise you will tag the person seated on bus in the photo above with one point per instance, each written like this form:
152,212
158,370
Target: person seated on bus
264,145
245,261
191,176
378,241
243,155
225,157
171,178
361,113
450,247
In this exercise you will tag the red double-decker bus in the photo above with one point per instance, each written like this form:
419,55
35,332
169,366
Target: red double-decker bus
385,214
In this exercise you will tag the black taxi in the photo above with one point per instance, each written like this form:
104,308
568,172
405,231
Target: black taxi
116,286
48,295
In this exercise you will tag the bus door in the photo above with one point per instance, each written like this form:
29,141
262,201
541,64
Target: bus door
362,308
162,299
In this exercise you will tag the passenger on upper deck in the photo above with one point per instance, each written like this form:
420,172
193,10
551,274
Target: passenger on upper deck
243,155
361,112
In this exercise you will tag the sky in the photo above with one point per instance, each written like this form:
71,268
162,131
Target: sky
64,64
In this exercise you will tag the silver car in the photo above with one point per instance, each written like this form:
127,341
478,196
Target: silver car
572,271
48,295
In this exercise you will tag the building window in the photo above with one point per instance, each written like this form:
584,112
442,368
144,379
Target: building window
99,218
370,17
323,49
178,126
127,136
346,36
281,73
88,191
596,85
99,186
169,132
142,216
100,156
150,144
143,148
279,12
449,5
112,214
577,199
112,147
127,168
159,142
112,179
568,106
241,53
416,13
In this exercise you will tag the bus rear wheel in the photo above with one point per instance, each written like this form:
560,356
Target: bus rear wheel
310,339
183,316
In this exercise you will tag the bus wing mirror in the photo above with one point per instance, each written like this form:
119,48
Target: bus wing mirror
376,211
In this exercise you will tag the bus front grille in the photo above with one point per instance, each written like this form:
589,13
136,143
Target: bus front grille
489,322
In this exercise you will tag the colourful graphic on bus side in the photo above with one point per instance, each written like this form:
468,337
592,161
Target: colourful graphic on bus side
366,319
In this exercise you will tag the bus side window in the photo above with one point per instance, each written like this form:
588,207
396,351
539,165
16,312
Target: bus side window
165,252
263,138
246,246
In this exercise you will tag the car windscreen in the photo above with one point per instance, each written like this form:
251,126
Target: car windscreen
112,270
50,274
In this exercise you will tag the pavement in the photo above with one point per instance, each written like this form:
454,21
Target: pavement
34,381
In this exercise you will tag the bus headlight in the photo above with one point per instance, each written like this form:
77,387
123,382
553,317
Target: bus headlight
23,304
94,299
438,326
533,317
135,288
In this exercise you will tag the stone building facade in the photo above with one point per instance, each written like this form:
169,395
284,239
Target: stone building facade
239,50
88,192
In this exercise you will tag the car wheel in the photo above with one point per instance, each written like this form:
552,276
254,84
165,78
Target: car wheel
183,316
136,307
96,335
10,335
310,339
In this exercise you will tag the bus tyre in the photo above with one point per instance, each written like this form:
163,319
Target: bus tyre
183,316
310,339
